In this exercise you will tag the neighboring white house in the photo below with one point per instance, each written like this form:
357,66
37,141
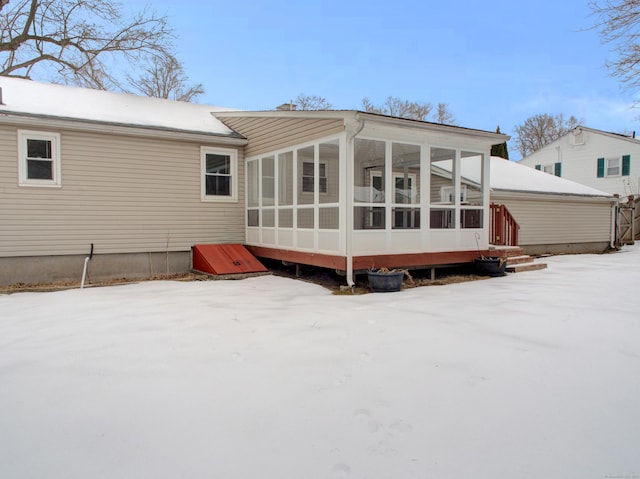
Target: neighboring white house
606,161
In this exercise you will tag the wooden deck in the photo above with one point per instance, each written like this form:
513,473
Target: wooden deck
367,262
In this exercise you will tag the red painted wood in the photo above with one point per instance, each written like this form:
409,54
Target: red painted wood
363,263
504,228
225,259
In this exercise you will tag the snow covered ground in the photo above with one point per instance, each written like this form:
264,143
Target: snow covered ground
533,375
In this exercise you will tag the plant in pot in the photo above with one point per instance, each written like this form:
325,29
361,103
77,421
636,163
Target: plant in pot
384,280
489,265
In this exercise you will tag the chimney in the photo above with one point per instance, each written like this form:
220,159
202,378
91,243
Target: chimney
287,107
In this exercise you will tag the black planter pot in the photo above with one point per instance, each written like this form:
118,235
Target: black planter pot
490,266
385,282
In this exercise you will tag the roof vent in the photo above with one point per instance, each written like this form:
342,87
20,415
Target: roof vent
578,136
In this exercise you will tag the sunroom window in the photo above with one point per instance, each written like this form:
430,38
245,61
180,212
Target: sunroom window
405,164
471,189
443,189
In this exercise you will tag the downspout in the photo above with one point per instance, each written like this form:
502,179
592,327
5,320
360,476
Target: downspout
349,210
84,269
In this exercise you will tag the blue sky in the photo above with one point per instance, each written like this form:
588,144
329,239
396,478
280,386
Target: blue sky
493,63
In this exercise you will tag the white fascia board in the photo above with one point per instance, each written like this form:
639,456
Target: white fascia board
540,195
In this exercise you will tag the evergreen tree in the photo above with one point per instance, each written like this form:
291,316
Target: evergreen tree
501,149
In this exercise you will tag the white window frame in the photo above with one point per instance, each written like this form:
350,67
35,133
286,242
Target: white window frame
607,166
446,194
550,168
321,165
56,170
233,164
413,190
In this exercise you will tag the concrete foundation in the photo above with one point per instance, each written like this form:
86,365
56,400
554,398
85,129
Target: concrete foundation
104,267
566,248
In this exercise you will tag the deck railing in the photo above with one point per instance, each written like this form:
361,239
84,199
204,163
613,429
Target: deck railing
503,228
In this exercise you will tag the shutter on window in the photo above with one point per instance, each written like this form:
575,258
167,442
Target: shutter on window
600,167
557,169
538,167
626,165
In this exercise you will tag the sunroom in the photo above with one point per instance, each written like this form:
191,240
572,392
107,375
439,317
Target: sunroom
354,191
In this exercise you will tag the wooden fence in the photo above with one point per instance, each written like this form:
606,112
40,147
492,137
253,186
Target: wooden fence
628,221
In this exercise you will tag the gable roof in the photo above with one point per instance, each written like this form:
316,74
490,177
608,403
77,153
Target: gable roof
577,129
510,176
617,136
346,115
47,100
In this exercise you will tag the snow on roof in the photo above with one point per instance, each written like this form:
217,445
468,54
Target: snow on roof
37,98
510,176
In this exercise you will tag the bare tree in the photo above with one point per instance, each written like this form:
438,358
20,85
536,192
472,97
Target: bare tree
83,42
443,115
312,102
394,106
540,130
619,25
165,78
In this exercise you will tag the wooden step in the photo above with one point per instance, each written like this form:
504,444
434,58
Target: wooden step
520,268
508,251
525,258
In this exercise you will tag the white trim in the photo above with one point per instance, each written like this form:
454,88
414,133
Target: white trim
607,162
413,190
303,176
233,160
56,169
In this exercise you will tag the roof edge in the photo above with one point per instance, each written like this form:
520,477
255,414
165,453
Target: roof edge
124,128
359,114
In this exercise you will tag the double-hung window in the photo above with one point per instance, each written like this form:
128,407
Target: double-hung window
39,159
614,166
219,174
308,177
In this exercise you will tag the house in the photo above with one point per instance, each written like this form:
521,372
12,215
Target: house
140,181
605,161
144,183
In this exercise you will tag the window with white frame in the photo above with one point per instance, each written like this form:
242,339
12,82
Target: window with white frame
446,194
308,177
613,167
219,174
39,159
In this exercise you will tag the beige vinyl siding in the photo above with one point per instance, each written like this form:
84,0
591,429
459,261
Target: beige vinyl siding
272,134
554,220
124,194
